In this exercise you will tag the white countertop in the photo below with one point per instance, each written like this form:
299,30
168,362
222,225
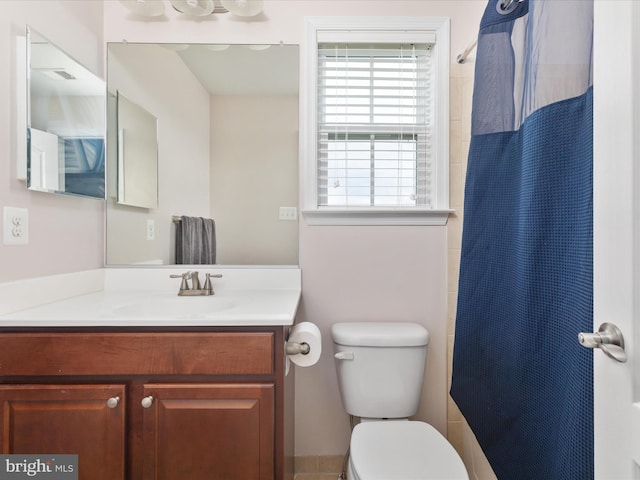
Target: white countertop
148,298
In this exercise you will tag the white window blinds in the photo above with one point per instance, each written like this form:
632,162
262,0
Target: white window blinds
375,123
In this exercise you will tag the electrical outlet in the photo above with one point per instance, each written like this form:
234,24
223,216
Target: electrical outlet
288,213
151,230
16,226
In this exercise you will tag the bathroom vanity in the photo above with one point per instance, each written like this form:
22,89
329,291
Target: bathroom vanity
150,398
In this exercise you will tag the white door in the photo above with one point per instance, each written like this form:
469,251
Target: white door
616,231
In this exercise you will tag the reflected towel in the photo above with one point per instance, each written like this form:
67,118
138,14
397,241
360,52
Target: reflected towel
195,241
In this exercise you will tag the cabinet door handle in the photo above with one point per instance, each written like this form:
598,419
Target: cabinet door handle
147,401
113,402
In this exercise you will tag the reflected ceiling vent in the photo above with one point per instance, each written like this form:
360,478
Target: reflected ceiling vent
56,73
195,8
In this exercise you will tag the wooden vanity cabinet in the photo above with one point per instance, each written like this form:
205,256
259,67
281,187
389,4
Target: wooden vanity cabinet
87,420
198,404
204,431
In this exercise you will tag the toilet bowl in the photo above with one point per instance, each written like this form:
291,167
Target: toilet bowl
380,368
402,450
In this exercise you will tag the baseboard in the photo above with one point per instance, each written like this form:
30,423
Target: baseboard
318,467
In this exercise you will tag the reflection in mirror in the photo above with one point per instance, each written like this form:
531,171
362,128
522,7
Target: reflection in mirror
137,155
227,119
65,123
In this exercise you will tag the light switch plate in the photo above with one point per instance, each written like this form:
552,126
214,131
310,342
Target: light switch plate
288,213
151,229
16,226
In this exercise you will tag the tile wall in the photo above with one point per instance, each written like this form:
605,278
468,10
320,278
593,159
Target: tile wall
326,467
461,92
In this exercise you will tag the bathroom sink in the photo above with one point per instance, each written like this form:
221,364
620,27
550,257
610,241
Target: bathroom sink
145,297
173,307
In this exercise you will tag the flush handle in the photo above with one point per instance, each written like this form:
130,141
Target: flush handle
608,338
344,356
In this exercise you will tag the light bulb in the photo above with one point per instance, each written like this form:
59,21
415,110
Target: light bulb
243,8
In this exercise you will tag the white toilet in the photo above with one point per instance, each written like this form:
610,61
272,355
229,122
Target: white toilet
380,370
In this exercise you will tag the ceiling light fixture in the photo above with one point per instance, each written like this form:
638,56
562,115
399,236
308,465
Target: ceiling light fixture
243,8
195,8
145,8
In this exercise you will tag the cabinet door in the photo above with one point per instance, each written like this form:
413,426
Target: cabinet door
83,420
209,431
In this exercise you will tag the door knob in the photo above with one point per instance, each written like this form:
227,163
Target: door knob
608,338
147,401
113,402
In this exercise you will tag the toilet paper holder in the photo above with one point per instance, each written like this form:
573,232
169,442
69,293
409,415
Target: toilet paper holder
294,348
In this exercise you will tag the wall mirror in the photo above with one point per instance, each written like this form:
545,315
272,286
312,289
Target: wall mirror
227,139
66,112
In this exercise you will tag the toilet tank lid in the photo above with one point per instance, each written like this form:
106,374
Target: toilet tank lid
380,334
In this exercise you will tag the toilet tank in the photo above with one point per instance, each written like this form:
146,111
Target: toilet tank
380,367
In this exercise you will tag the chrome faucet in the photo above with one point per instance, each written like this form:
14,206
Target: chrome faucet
195,281
195,289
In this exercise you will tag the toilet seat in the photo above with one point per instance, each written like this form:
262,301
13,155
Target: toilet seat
402,450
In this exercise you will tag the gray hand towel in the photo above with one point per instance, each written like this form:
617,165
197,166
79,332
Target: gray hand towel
195,241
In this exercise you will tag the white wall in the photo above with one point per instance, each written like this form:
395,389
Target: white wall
368,273
254,170
65,233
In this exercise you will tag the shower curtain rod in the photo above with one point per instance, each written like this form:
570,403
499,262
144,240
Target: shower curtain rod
463,56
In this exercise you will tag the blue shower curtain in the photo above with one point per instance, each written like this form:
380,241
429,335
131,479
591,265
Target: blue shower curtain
520,377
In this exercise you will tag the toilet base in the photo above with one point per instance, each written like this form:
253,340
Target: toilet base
350,473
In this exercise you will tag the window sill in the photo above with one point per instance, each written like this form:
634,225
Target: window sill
378,216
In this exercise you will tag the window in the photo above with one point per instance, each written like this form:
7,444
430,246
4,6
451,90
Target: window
374,119
376,134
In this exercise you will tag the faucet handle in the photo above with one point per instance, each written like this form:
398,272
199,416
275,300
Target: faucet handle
183,285
207,283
